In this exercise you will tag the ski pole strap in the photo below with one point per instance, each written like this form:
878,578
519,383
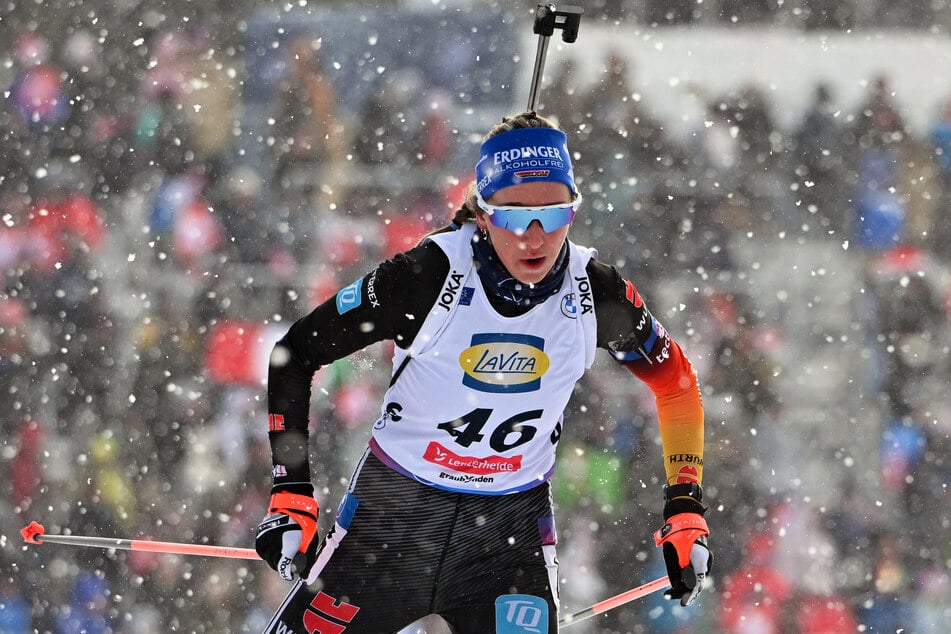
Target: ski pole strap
681,531
303,509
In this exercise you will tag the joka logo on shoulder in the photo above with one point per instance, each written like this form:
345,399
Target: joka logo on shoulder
504,362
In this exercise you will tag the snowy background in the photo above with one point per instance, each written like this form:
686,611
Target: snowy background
180,180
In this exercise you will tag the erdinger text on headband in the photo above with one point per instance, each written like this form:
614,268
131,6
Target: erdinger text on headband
523,155
517,218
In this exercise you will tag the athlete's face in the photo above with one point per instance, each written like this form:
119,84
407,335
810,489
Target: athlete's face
531,255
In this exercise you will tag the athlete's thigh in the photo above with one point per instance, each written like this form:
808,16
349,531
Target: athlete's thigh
516,602
319,609
501,573
375,569
360,589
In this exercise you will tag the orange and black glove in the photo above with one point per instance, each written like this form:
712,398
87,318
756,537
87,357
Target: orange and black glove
287,537
684,540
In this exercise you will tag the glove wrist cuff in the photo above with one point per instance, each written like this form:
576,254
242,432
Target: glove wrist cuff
691,522
681,531
683,498
300,488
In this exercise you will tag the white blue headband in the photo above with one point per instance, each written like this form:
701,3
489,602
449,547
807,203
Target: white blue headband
524,155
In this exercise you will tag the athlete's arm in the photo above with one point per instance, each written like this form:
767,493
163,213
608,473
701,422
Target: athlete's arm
632,335
390,302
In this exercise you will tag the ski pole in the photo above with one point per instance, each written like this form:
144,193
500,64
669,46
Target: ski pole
36,534
613,602
547,19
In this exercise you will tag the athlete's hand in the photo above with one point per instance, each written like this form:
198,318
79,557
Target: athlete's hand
684,540
287,537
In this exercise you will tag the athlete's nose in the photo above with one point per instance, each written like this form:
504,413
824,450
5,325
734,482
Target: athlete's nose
534,236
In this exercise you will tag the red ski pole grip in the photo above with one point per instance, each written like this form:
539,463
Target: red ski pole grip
32,531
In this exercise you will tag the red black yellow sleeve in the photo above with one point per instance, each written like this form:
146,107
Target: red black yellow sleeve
636,340
679,411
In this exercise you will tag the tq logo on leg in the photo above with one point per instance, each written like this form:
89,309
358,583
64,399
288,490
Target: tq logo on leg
521,614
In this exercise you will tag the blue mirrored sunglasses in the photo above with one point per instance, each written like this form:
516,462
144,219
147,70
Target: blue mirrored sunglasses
517,218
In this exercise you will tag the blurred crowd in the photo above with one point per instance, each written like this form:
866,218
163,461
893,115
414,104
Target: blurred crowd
804,14
150,259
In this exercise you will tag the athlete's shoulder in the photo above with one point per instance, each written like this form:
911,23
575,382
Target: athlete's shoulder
618,304
455,243
406,286
424,263
610,286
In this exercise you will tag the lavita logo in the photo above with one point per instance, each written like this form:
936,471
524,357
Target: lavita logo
504,362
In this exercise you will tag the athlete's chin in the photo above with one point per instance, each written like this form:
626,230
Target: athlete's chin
532,271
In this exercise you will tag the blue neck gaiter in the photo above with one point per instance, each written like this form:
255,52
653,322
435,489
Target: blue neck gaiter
498,280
